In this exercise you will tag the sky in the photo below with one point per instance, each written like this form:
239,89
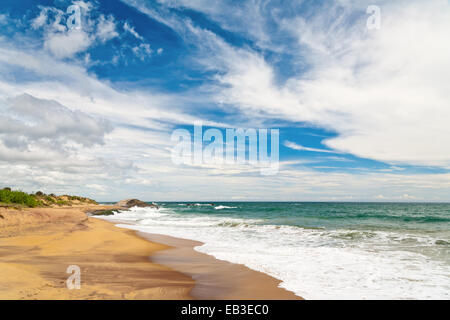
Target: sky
362,110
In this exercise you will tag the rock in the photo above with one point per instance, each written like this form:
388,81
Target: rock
104,212
128,203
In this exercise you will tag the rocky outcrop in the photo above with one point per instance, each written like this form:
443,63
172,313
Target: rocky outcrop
128,203
103,212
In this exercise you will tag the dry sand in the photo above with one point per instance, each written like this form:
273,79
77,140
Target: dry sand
38,245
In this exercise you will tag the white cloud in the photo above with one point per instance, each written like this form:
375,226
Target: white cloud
106,28
97,187
248,18
58,39
40,20
67,44
142,51
296,146
64,42
383,91
128,28
30,120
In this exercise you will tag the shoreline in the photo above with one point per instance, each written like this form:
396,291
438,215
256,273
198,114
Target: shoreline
216,279
37,245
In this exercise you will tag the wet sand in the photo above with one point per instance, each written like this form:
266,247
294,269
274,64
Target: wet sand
216,279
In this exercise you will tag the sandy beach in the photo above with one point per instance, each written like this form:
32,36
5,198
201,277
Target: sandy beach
216,279
38,245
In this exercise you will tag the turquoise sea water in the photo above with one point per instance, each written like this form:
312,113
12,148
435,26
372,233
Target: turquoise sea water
320,250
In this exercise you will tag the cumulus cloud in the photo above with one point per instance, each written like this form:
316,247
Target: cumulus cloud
142,51
64,41
106,28
46,146
29,120
66,44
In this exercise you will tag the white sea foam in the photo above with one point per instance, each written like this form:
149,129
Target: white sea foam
224,207
313,263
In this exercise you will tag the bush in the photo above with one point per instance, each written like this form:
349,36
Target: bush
9,197
62,203
18,197
50,199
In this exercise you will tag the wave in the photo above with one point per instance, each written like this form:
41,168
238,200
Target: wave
224,207
233,224
196,204
313,263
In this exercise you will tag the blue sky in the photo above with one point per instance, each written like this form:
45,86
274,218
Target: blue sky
362,113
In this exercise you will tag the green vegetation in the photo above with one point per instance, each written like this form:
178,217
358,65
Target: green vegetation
18,199
49,199
63,203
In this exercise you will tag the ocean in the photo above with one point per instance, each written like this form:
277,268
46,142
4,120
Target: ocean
319,250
